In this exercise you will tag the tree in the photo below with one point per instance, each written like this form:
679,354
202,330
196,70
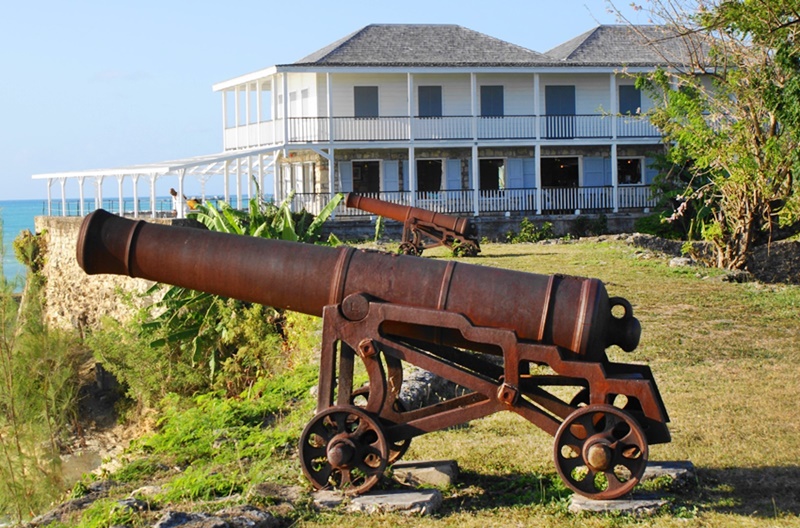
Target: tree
730,113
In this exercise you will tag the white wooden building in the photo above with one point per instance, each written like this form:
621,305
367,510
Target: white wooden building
439,117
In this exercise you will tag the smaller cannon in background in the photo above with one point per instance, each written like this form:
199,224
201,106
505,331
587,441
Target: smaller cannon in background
423,229
531,344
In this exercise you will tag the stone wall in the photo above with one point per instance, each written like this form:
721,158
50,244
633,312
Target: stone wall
73,298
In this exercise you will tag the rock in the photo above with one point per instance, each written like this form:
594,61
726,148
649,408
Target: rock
246,516
679,262
635,504
681,472
146,491
739,276
327,498
173,519
421,388
432,473
419,502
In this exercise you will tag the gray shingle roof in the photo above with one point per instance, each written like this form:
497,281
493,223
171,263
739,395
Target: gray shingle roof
421,45
611,45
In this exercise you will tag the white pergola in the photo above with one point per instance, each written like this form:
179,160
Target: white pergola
253,162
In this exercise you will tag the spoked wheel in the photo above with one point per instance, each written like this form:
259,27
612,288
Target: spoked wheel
397,448
343,448
466,249
409,248
600,452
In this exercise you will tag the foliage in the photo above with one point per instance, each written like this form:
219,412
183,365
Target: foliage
379,228
584,226
530,232
732,117
222,441
107,513
199,341
38,397
656,224
30,250
263,219
145,373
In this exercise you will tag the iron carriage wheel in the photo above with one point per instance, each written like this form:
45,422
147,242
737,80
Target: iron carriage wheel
600,452
344,447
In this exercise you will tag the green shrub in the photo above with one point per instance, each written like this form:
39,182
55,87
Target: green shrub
530,232
30,250
145,373
656,224
584,226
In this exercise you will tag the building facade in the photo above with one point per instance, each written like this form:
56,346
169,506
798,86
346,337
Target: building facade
448,119
435,116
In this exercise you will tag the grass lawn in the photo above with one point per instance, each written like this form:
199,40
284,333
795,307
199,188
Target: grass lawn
726,358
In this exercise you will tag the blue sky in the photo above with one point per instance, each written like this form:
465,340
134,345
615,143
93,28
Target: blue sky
104,83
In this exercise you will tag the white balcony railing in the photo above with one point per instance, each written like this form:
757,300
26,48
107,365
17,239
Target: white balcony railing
554,200
402,128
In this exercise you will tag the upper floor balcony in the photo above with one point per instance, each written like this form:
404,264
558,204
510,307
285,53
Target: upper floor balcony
544,128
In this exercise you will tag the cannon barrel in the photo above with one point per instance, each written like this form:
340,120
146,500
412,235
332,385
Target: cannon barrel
570,312
402,213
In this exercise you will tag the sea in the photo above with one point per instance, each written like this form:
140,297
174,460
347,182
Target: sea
16,216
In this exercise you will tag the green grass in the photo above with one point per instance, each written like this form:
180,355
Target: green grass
725,357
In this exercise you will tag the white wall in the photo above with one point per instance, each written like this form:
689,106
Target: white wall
456,98
517,92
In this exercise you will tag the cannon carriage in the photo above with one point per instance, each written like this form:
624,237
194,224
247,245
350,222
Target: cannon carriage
516,341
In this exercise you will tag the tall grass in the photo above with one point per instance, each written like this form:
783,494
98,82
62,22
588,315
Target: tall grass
38,394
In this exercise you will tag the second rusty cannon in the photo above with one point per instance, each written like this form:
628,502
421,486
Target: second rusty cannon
531,344
423,229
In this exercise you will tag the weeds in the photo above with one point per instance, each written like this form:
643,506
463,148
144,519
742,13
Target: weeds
38,396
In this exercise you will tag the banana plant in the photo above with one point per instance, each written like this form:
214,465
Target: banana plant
204,327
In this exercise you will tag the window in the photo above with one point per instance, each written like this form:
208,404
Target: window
430,101
367,176
629,171
308,177
560,172
366,101
492,101
429,175
559,104
630,100
492,174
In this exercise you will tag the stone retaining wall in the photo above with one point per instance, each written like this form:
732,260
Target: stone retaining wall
74,299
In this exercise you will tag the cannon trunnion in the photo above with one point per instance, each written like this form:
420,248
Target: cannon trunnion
423,229
527,343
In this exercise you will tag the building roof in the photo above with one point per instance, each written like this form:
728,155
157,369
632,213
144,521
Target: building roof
622,45
421,45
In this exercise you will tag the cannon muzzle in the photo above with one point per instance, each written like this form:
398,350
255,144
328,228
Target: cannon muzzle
570,312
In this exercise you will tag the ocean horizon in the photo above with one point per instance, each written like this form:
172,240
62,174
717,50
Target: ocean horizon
19,215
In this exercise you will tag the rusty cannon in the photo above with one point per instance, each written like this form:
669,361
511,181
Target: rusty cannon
423,229
535,345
